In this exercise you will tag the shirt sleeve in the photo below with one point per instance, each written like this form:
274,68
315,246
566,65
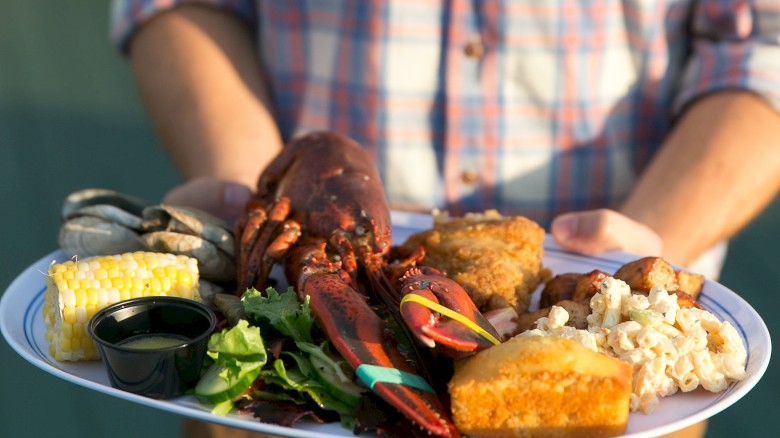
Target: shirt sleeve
735,45
127,16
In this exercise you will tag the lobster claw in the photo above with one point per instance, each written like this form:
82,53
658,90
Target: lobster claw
359,334
439,312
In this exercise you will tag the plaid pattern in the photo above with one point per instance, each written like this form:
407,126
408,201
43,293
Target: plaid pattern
559,107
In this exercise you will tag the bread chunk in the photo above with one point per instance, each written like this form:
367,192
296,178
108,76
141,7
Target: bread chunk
533,386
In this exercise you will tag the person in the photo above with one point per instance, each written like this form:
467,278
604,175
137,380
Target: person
644,126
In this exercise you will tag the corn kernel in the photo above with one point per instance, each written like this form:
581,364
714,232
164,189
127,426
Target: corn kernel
184,291
113,296
81,297
67,330
152,262
184,277
131,265
93,296
81,314
68,297
155,285
69,315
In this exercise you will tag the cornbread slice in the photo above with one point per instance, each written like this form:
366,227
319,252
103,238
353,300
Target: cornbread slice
76,290
533,386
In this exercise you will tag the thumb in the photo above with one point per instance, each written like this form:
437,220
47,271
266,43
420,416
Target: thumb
597,231
222,198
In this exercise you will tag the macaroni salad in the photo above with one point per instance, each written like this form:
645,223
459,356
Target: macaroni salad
670,348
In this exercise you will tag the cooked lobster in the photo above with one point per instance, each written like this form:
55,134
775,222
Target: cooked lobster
320,209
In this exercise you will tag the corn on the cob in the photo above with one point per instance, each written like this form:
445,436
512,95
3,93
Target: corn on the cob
76,290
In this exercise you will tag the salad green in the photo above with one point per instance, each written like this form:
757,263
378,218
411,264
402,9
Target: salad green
303,371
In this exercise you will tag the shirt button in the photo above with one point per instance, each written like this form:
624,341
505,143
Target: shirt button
474,49
469,177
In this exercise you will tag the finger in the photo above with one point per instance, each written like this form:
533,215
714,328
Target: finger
597,231
224,199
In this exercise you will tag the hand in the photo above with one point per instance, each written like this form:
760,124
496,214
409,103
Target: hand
597,231
222,198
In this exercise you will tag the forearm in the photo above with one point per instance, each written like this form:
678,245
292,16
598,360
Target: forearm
717,170
198,74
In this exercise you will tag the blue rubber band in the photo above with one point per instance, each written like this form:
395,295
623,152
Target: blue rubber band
371,374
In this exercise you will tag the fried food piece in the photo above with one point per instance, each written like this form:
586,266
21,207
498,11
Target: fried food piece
690,283
559,288
496,259
578,313
533,386
645,273
572,286
588,285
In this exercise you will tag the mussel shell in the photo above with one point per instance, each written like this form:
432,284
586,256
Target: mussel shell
87,236
92,196
184,220
213,263
110,213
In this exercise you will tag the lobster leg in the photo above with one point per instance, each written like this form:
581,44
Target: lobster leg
263,241
358,333
247,231
454,337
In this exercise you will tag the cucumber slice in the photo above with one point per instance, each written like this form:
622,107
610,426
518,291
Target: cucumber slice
344,390
214,388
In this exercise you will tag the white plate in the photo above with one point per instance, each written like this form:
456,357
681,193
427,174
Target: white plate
22,326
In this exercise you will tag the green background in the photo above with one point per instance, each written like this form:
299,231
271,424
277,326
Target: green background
70,119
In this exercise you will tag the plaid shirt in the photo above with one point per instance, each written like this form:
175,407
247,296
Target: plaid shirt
533,107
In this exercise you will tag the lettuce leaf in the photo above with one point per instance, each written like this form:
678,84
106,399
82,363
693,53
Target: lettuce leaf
283,311
241,342
296,373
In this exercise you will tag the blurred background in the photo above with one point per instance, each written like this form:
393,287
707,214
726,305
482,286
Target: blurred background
70,119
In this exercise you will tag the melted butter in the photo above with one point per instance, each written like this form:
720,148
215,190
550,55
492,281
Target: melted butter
153,341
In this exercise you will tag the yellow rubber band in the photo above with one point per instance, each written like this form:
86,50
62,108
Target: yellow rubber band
449,313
